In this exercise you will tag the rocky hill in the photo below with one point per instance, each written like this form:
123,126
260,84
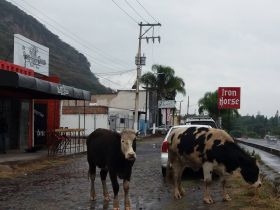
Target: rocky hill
72,67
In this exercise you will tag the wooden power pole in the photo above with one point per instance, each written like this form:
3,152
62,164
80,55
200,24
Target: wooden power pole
140,61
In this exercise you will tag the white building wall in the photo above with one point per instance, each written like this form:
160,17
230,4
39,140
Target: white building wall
93,121
123,99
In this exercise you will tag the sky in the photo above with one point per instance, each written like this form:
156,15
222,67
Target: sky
209,44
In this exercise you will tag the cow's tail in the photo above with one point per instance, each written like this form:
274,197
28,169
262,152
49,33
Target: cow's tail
169,174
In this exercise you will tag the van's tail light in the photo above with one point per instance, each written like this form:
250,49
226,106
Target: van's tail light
164,146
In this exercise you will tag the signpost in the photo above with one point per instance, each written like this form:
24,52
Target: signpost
166,104
229,98
31,55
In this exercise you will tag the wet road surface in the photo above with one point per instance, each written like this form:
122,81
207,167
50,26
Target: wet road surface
67,187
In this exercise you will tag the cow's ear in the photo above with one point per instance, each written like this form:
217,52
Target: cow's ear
137,133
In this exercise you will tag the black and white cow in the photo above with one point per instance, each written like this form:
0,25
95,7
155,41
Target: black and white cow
212,149
114,153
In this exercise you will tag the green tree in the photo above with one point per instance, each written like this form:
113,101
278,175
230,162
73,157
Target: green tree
163,80
209,104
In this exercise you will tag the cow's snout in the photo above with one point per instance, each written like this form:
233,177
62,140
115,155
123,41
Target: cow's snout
131,156
257,184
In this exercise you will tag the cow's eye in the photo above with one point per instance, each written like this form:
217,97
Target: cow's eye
122,141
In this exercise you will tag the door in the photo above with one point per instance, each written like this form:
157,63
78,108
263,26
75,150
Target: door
40,124
24,125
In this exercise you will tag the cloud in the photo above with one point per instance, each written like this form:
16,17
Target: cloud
208,43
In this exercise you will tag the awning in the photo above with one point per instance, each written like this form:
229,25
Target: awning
31,87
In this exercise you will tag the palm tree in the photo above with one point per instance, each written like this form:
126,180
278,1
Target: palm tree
209,104
163,80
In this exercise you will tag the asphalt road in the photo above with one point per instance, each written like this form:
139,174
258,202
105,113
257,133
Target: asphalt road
67,187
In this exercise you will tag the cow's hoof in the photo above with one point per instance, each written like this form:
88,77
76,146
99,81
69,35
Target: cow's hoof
177,195
117,208
208,200
182,192
226,198
93,197
127,208
107,197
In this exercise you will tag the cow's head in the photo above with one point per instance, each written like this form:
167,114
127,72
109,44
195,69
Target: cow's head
251,173
128,144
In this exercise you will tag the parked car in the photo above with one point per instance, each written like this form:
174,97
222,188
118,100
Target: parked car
162,129
164,146
201,120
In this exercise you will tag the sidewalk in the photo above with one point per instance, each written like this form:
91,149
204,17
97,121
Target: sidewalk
15,156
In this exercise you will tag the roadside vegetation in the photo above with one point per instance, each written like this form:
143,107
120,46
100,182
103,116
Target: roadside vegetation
242,195
254,126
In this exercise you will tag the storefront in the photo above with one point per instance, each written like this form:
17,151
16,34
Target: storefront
31,106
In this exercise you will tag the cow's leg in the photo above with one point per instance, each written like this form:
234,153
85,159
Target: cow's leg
115,184
207,172
226,196
176,169
103,175
92,174
181,190
126,197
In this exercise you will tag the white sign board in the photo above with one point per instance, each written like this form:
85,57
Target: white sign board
166,104
30,54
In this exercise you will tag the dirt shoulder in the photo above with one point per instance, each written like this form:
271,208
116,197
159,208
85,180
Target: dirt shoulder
15,169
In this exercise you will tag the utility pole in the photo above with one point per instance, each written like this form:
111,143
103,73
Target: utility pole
188,106
140,61
180,112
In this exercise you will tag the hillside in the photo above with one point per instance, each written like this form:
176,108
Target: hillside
72,67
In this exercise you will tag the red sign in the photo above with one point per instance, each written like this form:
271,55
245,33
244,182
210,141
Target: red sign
229,98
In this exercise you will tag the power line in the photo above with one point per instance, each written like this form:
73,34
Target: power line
77,40
125,12
135,11
115,73
56,62
70,32
109,80
146,11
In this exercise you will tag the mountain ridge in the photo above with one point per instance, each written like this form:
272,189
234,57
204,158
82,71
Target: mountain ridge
71,66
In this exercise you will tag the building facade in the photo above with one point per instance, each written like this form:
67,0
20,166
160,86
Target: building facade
30,105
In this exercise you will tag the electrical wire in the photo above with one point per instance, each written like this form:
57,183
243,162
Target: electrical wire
76,39
109,80
115,73
147,11
125,12
135,10
56,63
79,38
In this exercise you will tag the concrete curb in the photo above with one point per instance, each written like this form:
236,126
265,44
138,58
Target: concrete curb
266,149
272,176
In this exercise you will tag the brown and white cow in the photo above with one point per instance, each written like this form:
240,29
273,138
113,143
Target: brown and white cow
114,153
212,149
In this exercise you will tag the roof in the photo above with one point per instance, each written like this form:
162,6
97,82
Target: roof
31,87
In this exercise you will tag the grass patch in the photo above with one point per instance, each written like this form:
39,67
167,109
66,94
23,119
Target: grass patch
244,195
